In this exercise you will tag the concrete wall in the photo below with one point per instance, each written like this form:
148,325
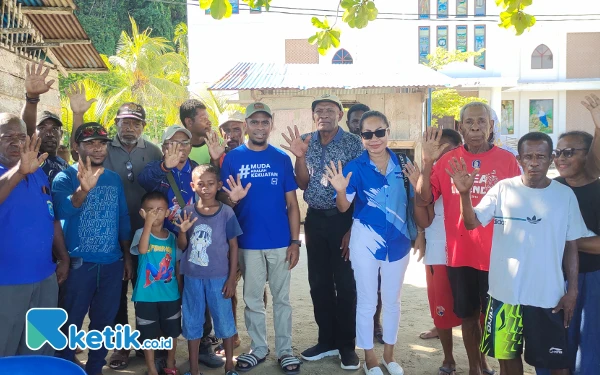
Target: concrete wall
404,112
12,85
578,117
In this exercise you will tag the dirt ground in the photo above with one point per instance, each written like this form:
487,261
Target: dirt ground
417,357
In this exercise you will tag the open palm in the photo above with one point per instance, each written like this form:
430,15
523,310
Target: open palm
215,148
30,161
88,178
77,100
172,155
462,179
296,145
35,79
412,172
336,178
432,147
236,191
185,223
592,103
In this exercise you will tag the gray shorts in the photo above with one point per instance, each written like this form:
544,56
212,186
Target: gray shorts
16,300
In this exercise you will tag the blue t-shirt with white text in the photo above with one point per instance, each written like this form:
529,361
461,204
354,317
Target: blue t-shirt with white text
262,214
92,231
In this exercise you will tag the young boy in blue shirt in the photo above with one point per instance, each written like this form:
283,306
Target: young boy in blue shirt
208,234
156,292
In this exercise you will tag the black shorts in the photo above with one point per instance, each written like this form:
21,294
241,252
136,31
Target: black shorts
158,319
545,336
469,290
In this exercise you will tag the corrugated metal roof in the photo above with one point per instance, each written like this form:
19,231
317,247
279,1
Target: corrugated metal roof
77,56
257,76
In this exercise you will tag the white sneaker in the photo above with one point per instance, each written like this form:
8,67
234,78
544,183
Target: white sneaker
373,371
392,367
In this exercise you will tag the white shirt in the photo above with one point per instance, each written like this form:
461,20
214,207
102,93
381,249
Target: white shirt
530,230
435,235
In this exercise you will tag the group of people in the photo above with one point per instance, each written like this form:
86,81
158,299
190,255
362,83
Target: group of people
184,222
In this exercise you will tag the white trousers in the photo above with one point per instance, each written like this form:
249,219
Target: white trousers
366,273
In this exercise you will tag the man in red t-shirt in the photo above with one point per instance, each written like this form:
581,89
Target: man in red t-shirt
468,251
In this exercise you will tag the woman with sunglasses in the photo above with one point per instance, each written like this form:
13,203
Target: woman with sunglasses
573,158
380,238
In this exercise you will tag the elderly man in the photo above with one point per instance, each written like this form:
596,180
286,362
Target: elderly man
468,251
233,131
331,279
30,235
49,127
127,155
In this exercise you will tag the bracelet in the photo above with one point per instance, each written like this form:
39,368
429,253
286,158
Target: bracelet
420,231
32,100
232,201
164,167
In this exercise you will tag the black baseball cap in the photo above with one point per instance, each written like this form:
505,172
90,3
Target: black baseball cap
47,115
91,131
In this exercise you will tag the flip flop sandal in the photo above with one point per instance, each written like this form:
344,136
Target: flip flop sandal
231,373
250,360
424,336
447,370
118,361
170,371
286,362
489,372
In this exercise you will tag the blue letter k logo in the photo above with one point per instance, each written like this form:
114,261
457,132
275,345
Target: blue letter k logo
43,326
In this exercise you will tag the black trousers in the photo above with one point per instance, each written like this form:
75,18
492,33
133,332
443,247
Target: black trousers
331,278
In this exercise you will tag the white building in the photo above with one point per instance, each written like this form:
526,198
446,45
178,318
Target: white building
539,77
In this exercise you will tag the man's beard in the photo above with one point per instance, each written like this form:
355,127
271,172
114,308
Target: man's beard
129,142
258,143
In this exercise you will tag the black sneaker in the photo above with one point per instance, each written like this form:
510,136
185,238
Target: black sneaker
318,351
349,359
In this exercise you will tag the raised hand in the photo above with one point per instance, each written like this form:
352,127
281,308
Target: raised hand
88,178
236,191
412,172
30,161
593,105
35,80
215,148
296,145
150,216
463,180
432,148
185,223
172,155
336,177
76,94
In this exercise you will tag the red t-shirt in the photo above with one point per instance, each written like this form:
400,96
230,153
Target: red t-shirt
470,248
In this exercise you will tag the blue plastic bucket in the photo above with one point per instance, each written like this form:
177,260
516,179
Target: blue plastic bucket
38,364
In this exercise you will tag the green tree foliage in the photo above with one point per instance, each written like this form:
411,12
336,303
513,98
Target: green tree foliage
146,70
358,14
448,102
217,106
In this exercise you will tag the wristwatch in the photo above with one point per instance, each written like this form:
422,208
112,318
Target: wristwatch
296,242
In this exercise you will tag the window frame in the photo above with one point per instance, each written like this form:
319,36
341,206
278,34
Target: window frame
428,28
342,57
466,27
437,36
484,9
541,58
466,14
475,49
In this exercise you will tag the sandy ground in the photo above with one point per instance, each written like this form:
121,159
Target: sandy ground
417,357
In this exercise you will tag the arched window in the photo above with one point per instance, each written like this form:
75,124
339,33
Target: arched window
342,57
542,58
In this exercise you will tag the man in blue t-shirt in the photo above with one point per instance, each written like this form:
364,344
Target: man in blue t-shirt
264,199
90,202
30,235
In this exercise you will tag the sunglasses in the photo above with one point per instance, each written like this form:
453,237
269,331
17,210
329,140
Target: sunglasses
379,133
567,152
92,131
129,167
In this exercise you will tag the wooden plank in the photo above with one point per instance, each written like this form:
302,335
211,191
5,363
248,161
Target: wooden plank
16,30
401,144
87,70
46,10
68,41
56,62
37,45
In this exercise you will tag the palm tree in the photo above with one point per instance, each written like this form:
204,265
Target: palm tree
217,105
